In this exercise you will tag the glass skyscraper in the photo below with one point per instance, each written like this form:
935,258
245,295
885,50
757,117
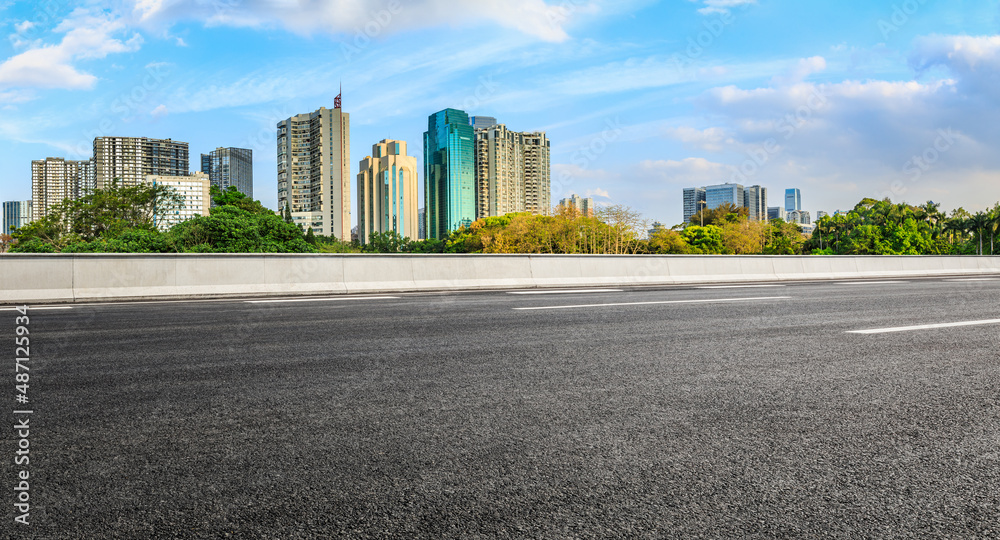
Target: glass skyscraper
793,200
15,214
449,172
230,167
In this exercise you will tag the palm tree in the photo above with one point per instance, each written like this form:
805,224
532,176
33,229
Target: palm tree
978,223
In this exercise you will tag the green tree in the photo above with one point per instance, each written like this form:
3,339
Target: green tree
385,242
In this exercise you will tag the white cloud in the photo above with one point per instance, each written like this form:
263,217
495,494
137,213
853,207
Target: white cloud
371,18
911,140
159,112
722,6
86,36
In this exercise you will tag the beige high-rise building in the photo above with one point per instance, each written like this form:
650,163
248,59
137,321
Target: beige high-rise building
196,198
314,171
129,160
512,172
387,192
537,173
583,206
55,179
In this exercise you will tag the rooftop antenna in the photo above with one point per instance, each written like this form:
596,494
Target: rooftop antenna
337,100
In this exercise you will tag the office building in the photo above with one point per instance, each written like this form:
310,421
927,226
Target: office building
716,196
512,172
227,167
421,224
314,169
195,193
15,214
449,172
482,122
820,215
583,206
387,192
777,212
54,180
129,160
793,200
755,200
800,216
694,200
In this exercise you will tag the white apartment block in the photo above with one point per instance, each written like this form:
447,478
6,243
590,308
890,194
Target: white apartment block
56,179
196,198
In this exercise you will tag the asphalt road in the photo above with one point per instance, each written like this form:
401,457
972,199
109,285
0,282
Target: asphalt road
677,412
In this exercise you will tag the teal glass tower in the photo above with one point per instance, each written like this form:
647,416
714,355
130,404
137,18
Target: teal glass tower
449,173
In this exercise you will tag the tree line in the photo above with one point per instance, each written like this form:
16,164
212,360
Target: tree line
124,219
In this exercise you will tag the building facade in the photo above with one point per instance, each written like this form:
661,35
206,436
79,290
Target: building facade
777,212
227,167
421,224
449,172
583,206
512,172
820,215
693,201
55,179
755,200
195,193
716,196
129,160
314,153
387,192
16,214
482,122
793,200
799,216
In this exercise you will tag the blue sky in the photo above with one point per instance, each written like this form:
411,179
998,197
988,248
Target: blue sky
640,98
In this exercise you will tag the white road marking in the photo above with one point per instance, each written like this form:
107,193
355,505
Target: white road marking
717,300
868,282
321,299
737,286
32,308
581,291
924,327
974,279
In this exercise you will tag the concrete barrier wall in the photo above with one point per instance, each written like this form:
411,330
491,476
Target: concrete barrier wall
88,277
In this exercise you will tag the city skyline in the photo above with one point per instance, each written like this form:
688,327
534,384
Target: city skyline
637,111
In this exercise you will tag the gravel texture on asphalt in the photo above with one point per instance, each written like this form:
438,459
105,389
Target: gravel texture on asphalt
456,416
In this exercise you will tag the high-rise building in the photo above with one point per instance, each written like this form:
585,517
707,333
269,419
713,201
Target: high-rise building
314,170
777,212
755,200
421,224
583,206
721,194
693,199
512,172
387,192
227,167
482,122
129,160
449,172
537,172
195,194
16,214
54,180
820,215
793,200
799,216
